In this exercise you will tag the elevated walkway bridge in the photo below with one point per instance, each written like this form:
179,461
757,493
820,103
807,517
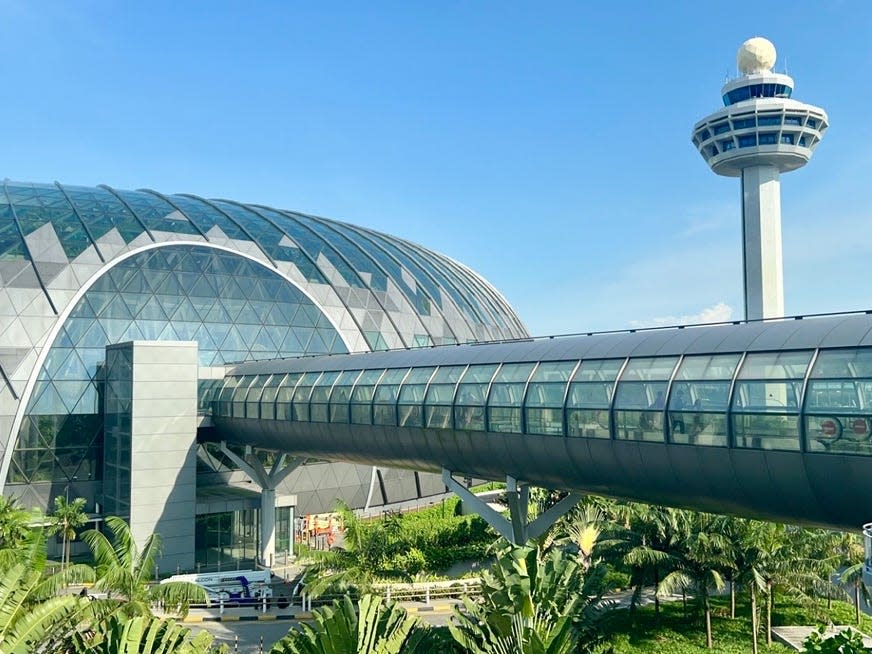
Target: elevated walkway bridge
770,419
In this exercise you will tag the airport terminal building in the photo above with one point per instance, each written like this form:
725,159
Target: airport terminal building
83,270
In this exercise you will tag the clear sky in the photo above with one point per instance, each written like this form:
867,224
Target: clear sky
546,145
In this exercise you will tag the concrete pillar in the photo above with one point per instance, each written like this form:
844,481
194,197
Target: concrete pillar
761,247
267,526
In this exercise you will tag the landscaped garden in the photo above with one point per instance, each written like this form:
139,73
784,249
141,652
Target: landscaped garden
609,577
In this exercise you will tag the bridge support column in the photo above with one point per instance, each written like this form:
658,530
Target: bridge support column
517,530
268,481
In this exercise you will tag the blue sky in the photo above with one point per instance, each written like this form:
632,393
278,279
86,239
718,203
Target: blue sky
545,145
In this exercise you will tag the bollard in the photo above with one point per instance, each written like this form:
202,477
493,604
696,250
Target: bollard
263,604
220,606
427,594
261,645
388,594
236,643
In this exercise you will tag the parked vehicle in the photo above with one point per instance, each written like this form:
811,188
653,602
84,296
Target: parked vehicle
233,586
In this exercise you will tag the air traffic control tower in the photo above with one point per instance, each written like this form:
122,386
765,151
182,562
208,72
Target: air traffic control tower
760,133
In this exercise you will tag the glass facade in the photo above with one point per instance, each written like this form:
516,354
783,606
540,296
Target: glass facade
817,400
235,308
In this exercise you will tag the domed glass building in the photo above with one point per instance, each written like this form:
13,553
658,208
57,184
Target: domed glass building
85,268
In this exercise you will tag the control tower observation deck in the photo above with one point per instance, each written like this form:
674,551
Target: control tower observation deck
760,133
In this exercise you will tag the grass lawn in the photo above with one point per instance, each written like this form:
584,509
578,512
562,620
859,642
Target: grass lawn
673,633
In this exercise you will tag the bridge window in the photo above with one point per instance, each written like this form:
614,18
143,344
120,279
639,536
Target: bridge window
590,396
285,396
640,400
239,393
221,405
767,398
341,396
793,120
384,400
268,398
440,396
768,138
361,397
412,394
507,396
721,128
838,404
744,123
788,139
699,398
545,397
320,395
471,397
300,404
747,141
252,398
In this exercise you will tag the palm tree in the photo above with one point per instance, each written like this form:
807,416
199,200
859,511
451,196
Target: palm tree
853,555
123,572
66,518
379,628
699,560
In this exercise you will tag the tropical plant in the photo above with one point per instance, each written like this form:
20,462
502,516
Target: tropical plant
34,616
534,602
15,523
66,518
844,642
123,572
144,635
379,628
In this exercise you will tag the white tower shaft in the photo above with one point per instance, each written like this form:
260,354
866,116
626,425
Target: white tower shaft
761,232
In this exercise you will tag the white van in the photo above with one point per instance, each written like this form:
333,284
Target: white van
242,586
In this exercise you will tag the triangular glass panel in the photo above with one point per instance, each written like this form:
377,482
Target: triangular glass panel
29,435
296,340
132,333
289,311
55,361
70,392
262,344
202,288
219,332
152,311
187,331
94,337
49,403
235,356
187,280
273,315
169,334
234,340
169,286
202,305
151,329
115,329
135,301
248,333
231,289
257,291
63,339
92,358
248,316
106,283
217,315
233,307
307,316
185,312
207,357
89,402
137,284
204,338
171,303
155,279
117,308
98,301
72,368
